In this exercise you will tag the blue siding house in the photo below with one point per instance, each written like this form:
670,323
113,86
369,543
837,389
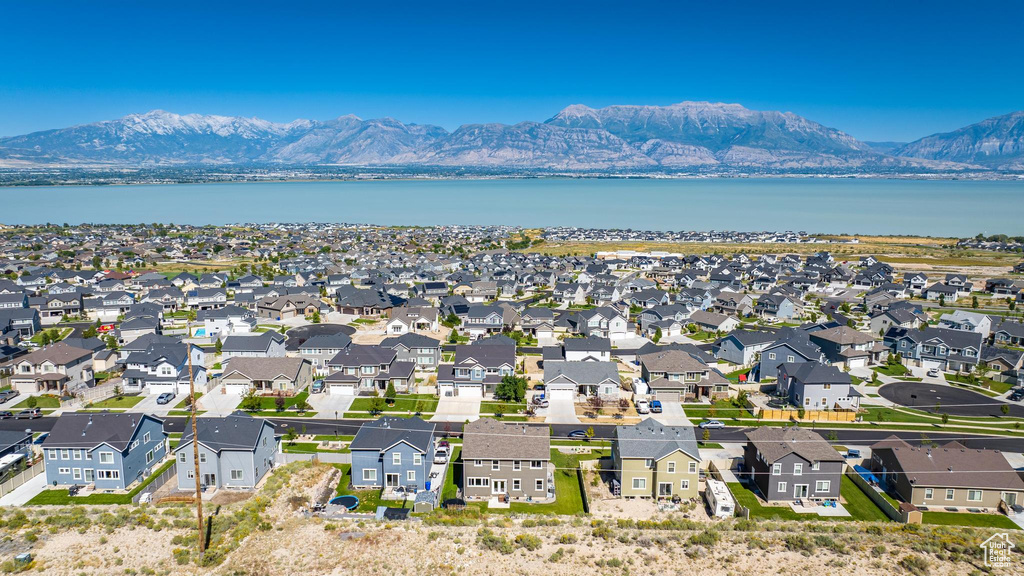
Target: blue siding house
392,452
108,450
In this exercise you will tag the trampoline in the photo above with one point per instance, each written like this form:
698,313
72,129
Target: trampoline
348,501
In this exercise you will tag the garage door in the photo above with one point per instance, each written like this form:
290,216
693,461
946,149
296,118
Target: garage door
161,388
342,389
236,388
471,391
562,394
857,362
665,396
929,364
447,390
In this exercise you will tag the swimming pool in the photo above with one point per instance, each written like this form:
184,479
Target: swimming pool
348,501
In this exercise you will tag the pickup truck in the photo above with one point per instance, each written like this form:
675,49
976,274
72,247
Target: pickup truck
656,406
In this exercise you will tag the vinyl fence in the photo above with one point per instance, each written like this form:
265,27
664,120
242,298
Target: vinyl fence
22,477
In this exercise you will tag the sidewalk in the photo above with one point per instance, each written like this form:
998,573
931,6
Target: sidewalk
27,491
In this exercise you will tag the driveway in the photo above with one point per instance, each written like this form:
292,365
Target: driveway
149,405
217,403
27,491
672,414
325,405
561,411
456,409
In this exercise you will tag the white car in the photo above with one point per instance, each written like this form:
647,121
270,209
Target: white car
642,407
933,373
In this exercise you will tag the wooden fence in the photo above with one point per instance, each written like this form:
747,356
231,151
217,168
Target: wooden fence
809,415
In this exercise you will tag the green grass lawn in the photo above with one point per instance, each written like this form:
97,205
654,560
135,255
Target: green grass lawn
308,448
61,334
747,499
403,403
968,519
720,410
41,402
858,504
122,402
980,382
894,370
267,403
61,498
709,445
879,414
368,499
184,401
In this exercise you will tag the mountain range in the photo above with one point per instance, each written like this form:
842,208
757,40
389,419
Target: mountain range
688,136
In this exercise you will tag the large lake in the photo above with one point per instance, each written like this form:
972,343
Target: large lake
816,205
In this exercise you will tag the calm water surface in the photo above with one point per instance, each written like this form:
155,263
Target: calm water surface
946,208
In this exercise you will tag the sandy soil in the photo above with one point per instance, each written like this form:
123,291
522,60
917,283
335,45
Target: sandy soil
292,544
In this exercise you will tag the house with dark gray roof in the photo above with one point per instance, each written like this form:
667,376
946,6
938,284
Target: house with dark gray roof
235,452
505,458
392,452
262,345
110,451
815,386
422,350
941,348
321,348
478,368
791,345
652,460
792,463
366,368
581,380
743,346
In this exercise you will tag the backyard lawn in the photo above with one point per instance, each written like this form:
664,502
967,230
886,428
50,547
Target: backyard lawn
858,504
61,498
368,499
968,519
747,499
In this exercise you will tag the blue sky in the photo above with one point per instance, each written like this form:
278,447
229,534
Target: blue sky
878,70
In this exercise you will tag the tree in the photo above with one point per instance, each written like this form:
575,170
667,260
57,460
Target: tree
1005,409
390,394
942,299
706,435
589,433
302,406
251,401
89,332
316,317
1013,305
974,301
44,338
31,402
832,436
376,405
111,342
117,392
290,435
218,346
511,388
657,336
945,418
279,403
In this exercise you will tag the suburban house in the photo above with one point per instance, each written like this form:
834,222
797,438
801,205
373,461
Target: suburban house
538,322
674,375
950,475
844,346
483,320
814,386
1009,333
604,321
711,322
569,380
289,306
589,349
791,346
321,348
263,345
226,321
941,348
1001,359
107,450
898,317
422,350
365,368
282,375
163,367
391,452
652,460
365,302
477,369
506,459
734,304
206,298
235,452
55,369
792,463
969,321
778,306
412,319
743,347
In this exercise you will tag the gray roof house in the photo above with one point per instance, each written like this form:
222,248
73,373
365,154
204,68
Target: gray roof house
506,458
235,451
792,463
814,386
580,380
391,452
263,345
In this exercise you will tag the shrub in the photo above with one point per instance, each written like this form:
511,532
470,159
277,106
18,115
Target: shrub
528,541
567,539
916,565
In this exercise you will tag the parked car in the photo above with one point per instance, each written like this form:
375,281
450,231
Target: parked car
656,406
29,413
1017,394
441,455
852,453
5,414
539,386
540,402
933,373
642,407
711,425
577,434
165,398
7,395
317,387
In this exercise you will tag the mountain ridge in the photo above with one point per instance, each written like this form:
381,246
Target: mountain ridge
689,135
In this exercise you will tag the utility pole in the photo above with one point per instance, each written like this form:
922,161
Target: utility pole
195,441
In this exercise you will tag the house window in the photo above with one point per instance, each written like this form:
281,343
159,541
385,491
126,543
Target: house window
517,484
478,463
134,445
149,457
76,455
648,463
106,457
417,459
789,359
64,471
539,485
782,487
639,483
517,465
108,474
535,464
684,484
51,454
182,457
671,467
410,476
771,355
146,438
950,494
693,468
478,482
65,454
396,459
974,495
495,465
822,485
202,457
369,474
816,466
776,469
